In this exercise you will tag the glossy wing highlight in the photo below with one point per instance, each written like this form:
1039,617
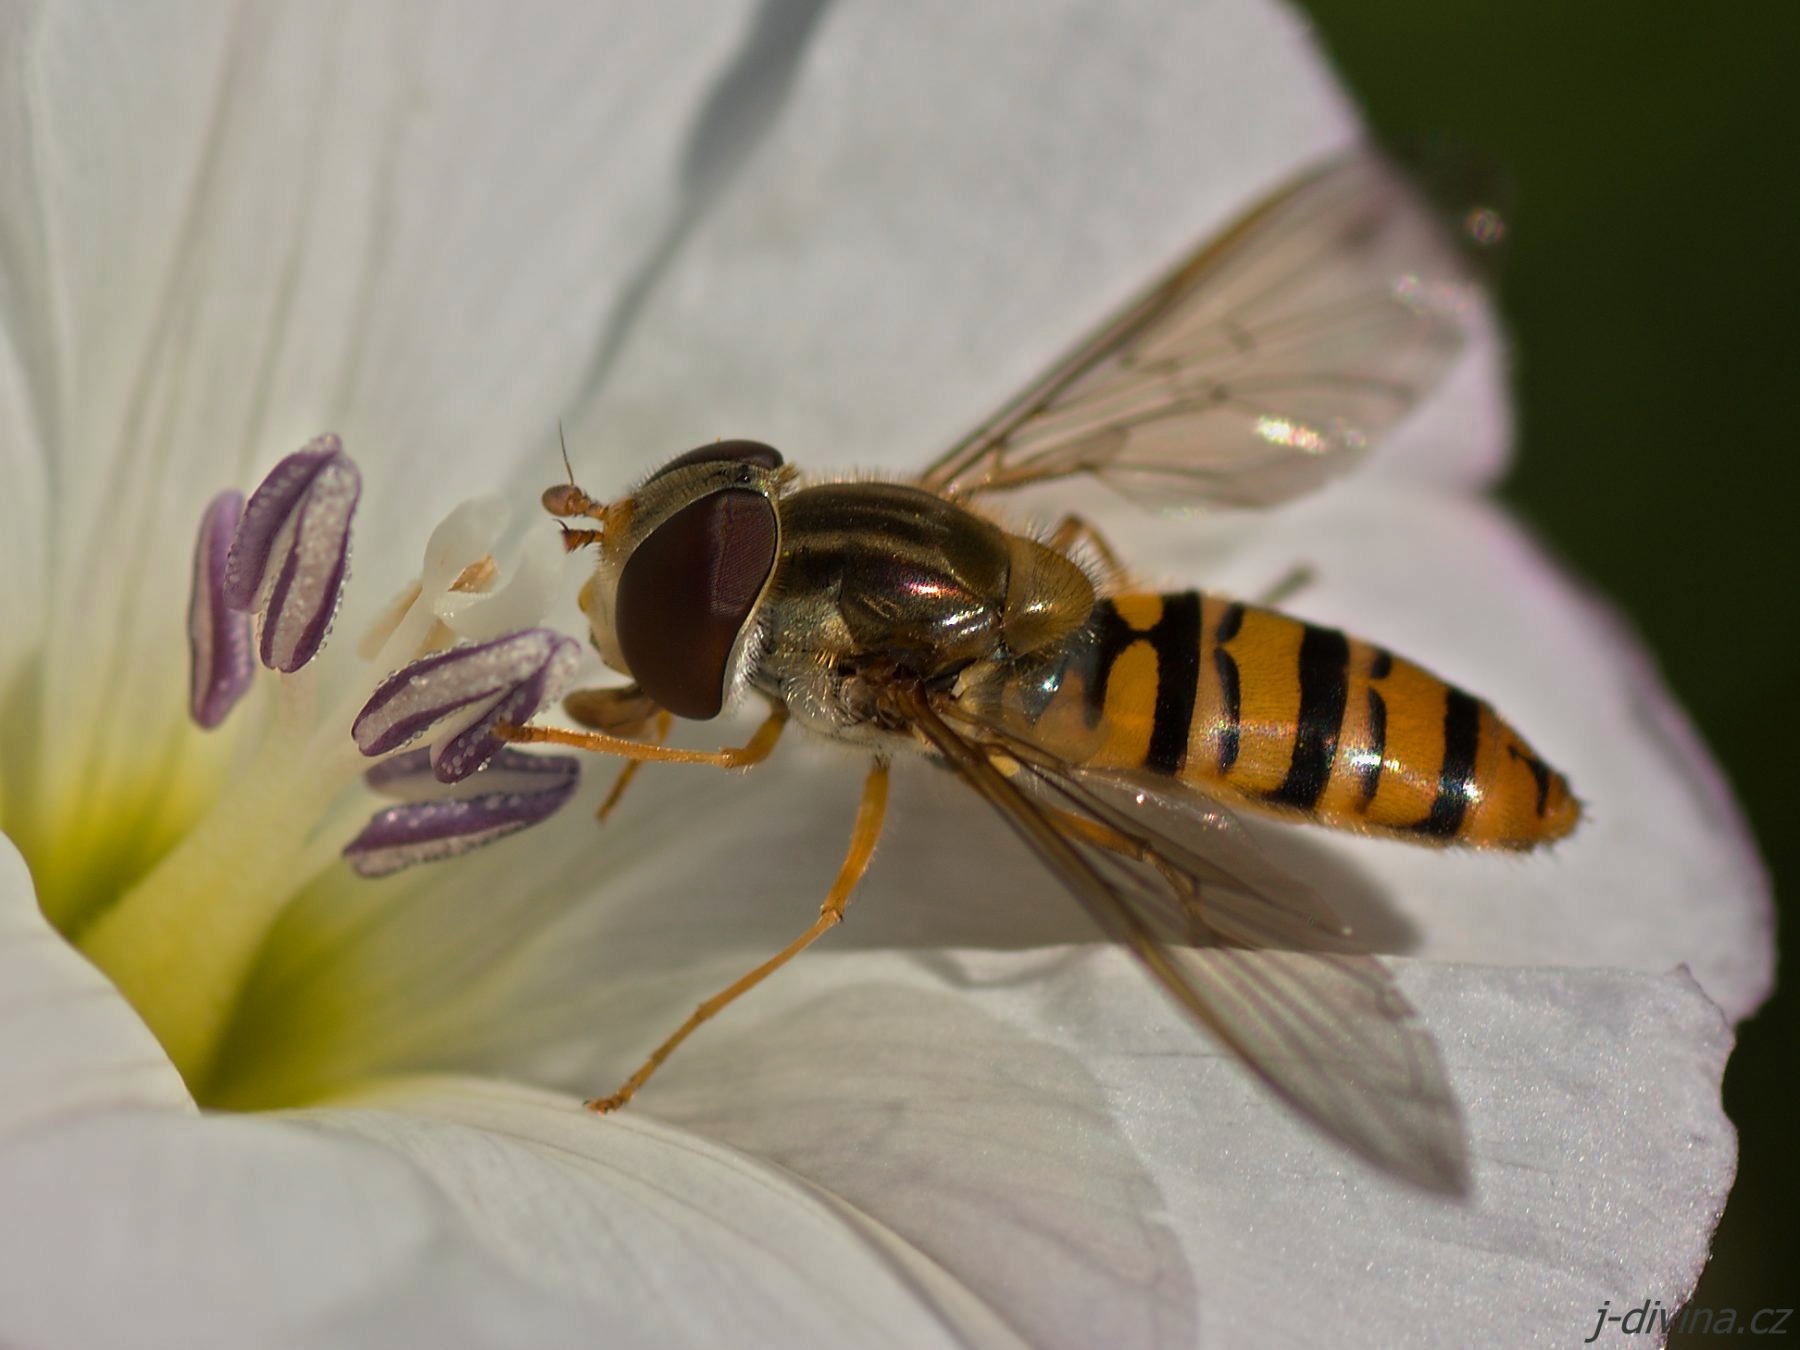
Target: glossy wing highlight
1264,363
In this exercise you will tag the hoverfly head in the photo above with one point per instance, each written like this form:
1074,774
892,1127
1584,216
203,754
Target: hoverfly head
684,563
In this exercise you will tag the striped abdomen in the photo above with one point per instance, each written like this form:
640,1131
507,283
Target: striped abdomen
1270,712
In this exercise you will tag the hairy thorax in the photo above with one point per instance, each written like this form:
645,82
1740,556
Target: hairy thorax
881,575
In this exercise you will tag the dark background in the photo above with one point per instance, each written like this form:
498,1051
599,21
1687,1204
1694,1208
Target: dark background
1652,157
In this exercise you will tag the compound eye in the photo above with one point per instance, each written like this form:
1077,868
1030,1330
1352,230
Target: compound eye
686,593
750,452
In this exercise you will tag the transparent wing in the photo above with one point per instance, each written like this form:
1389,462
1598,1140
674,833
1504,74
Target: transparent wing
1250,953
1263,364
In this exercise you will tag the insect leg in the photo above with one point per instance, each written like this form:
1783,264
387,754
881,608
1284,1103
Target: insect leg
753,751
1075,529
869,817
1296,578
1102,835
625,712
1094,832
659,733
578,539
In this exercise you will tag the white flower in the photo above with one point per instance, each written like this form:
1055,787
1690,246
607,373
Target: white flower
846,230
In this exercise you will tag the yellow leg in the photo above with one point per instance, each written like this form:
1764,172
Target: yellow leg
1072,823
1073,530
869,817
1102,835
753,751
659,733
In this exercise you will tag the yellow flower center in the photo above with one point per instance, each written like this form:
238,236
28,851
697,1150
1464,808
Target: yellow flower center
176,884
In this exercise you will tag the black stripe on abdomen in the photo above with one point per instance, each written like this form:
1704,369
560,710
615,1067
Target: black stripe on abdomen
1231,708
1176,640
1462,734
1111,635
1231,695
1540,773
1324,690
1370,769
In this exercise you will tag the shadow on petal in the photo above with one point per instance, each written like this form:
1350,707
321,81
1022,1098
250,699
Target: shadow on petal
730,866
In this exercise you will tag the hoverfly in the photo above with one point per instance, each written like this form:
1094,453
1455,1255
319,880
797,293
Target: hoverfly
1114,730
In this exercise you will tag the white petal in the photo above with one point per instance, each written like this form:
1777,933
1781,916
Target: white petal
452,1213
847,272
24,518
997,1149
26,376
951,197
1049,1129
68,1042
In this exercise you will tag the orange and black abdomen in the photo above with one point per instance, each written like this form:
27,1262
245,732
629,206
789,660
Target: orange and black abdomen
1284,716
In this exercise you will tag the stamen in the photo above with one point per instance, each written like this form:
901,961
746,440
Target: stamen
428,831
409,777
220,665
457,697
291,553
181,941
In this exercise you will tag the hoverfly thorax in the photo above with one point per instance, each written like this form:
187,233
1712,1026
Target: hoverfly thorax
684,564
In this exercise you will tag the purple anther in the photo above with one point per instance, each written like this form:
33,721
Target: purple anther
408,777
220,665
292,551
420,832
456,697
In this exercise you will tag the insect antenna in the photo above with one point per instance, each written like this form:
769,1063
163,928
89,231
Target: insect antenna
563,500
